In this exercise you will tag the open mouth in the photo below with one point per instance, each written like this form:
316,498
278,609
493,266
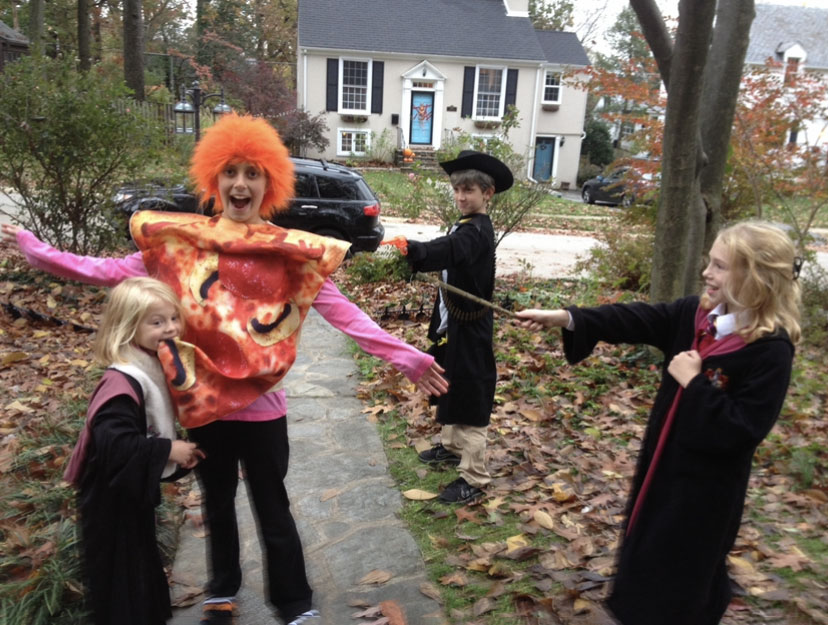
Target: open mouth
239,202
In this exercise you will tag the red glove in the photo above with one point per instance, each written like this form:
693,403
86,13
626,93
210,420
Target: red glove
400,242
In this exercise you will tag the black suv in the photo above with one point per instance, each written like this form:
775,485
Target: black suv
330,200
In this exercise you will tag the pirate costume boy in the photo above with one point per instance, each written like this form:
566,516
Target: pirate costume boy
461,330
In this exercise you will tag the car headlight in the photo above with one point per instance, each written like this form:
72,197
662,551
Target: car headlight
121,197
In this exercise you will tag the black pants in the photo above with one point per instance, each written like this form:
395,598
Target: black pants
263,450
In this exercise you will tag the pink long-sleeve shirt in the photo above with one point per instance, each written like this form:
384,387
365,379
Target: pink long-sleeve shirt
334,307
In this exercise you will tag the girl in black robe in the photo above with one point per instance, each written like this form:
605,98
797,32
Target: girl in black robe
126,447
728,358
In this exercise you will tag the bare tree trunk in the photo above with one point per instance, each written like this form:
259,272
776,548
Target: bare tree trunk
96,32
134,47
722,77
678,220
36,27
84,50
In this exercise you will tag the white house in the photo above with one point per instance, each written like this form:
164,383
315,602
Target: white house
795,37
418,71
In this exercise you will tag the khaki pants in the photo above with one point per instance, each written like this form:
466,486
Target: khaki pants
469,443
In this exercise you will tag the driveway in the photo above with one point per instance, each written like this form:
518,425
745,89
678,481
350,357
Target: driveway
541,255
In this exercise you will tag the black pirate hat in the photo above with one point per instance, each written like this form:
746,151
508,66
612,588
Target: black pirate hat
469,159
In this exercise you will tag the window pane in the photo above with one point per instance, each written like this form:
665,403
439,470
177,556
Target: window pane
488,92
334,189
552,88
346,142
354,85
305,186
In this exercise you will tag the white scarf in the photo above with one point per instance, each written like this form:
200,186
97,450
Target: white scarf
158,405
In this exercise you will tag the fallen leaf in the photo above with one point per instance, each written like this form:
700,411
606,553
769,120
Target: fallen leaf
544,519
394,613
376,577
417,494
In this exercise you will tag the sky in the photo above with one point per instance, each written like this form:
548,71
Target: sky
602,14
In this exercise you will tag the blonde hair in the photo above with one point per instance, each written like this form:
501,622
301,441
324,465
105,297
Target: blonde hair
127,304
763,283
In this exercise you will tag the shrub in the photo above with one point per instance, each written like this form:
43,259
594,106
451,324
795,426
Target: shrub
625,259
66,147
385,264
815,304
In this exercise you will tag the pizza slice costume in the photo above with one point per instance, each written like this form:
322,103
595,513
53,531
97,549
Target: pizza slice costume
246,290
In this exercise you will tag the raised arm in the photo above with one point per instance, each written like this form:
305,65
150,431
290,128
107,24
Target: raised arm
347,317
88,269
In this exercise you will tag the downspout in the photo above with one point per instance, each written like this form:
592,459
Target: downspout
304,79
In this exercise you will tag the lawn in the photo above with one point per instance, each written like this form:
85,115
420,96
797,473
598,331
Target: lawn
553,214
563,441
562,447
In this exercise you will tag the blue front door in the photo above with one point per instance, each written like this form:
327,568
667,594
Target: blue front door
544,158
422,117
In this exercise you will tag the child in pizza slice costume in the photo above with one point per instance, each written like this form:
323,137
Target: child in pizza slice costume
127,446
727,364
246,286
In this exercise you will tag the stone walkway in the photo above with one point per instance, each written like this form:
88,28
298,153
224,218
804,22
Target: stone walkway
344,501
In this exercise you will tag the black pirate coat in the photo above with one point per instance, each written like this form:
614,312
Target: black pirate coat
672,564
467,255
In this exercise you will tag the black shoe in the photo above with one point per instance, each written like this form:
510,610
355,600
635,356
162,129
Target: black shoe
460,491
219,613
438,454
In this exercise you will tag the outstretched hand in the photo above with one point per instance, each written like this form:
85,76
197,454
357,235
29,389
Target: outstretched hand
537,319
432,381
400,242
9,234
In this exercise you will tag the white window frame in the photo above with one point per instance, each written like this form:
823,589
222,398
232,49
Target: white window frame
484,138
500,106
369,78
353,131
558,86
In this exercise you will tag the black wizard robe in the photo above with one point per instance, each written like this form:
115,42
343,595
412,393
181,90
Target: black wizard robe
119,490
467,255
672,563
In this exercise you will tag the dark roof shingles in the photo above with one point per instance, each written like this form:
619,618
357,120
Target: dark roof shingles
464,28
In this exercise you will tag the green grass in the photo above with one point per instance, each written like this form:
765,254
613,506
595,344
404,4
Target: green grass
553,213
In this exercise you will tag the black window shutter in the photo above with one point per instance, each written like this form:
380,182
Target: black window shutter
511,87
376,87
468,92
332,94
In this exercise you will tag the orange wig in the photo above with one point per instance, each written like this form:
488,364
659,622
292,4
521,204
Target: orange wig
243,138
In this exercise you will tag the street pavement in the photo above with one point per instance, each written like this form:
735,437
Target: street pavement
343,499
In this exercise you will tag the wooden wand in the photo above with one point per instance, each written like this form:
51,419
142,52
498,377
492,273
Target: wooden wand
465,294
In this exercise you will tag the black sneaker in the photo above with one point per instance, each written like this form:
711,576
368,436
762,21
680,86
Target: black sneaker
460,491
219,613
438,454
